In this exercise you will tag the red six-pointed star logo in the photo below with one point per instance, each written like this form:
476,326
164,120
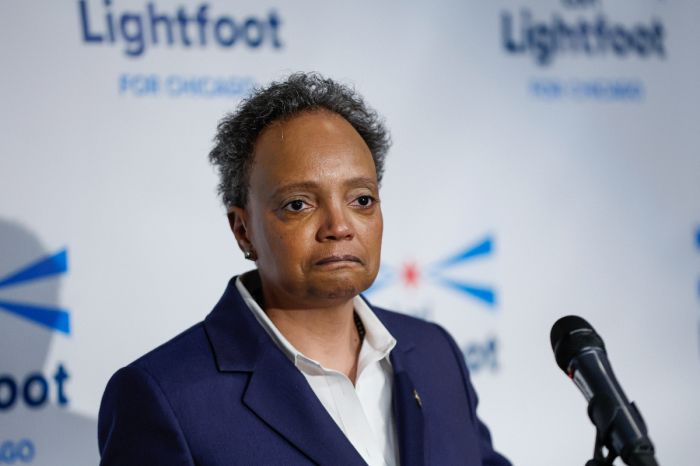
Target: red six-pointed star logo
410,274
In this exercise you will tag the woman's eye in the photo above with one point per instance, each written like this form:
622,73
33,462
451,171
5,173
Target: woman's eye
364,201
296,206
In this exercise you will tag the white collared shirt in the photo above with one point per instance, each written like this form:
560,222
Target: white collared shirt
364,411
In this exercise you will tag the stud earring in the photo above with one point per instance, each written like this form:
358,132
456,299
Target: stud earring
248,255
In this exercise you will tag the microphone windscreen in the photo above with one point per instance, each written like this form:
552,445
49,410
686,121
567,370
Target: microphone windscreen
569,336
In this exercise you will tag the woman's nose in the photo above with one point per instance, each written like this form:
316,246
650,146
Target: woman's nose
336,224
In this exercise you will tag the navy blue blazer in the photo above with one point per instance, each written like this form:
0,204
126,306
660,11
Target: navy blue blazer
222,393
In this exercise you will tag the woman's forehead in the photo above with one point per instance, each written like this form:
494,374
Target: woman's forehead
319,147
311,127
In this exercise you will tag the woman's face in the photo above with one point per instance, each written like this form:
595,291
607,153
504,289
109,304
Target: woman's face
313,217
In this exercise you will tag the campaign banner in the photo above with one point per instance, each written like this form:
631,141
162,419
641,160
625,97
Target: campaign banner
544,163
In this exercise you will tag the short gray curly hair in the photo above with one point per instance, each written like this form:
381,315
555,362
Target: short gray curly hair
300,92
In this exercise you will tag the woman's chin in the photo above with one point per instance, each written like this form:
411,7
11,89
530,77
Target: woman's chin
337,286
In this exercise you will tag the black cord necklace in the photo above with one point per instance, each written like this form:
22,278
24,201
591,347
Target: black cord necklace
360,326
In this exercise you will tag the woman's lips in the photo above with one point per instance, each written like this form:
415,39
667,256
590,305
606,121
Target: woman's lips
347,258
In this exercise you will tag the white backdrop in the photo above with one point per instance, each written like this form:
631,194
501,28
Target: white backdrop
555,139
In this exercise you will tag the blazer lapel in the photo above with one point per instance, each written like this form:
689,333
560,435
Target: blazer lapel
410,425
277,391
280,395
409,414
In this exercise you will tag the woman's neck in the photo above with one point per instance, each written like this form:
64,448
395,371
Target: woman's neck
326,334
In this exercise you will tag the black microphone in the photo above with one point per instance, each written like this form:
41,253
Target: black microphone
580,352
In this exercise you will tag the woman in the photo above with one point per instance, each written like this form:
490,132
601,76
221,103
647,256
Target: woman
293,366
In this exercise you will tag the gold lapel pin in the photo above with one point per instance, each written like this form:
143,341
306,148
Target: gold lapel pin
415,394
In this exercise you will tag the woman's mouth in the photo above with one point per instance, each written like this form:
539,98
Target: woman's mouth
339,260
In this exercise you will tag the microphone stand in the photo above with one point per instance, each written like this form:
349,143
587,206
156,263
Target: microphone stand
598,458
602,413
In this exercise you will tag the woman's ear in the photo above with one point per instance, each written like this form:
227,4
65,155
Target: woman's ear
238,219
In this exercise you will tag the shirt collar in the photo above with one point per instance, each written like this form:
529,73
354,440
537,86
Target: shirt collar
377,344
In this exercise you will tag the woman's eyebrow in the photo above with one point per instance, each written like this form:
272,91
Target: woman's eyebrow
361,181
289,187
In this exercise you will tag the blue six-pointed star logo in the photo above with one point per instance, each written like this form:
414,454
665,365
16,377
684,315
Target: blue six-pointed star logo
48,266
435,273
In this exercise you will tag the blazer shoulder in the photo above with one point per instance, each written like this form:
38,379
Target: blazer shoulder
187,352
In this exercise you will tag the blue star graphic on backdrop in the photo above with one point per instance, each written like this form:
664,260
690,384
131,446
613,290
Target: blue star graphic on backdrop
435,273
48,266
